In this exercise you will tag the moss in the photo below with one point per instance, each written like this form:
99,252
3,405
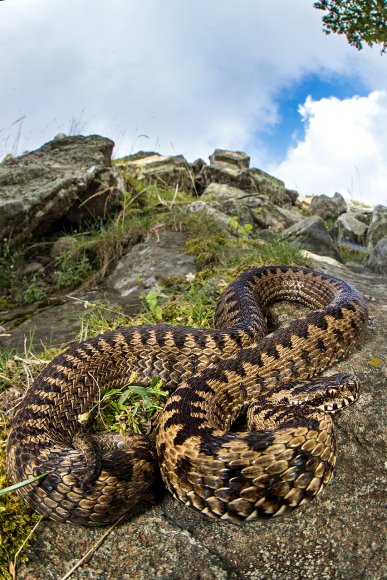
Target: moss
16,518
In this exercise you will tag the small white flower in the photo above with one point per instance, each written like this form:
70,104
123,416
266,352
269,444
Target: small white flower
190,277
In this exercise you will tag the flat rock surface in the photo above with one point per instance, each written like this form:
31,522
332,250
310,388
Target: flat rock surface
339,535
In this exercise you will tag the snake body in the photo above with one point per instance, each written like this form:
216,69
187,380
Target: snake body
237,370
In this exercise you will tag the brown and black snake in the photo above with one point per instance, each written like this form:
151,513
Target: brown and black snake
235,376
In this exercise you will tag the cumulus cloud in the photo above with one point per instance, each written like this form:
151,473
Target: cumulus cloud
178,77
344,149
190,75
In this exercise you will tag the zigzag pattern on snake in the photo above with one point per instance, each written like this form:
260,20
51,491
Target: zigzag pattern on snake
284,458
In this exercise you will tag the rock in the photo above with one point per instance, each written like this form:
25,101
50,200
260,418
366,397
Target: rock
69,178
62,245
229,168
151,262
251,208
364,215
378,227
312,235
210,209
328,207
234,158
164,171
377,259
33,268
339,535
292,195
349,229
58,324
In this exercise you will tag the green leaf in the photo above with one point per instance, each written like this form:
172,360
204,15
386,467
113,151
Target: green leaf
12,488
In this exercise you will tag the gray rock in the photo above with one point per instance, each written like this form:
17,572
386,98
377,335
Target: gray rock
234,158
312,235
211,209
151,262
364,215
328,207
292,194
68,178
349,229
251,208
377,259
164,171
340,535
378,227
252,181
62,245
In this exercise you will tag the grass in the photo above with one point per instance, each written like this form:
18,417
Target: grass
221,253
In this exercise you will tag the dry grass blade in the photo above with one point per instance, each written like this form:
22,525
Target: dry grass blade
93,549
12,565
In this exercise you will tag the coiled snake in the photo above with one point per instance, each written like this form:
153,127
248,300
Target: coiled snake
283,459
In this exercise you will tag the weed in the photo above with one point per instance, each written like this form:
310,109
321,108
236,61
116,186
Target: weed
131,407
71,272
242,231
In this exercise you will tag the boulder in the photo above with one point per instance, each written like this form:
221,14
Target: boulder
231,168
250,207
364,215
312,235
292,195
328,207
378,227
234,158
68,178
165,171
150,263
377,259
349,229
211,209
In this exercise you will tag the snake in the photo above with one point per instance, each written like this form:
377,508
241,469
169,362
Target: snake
246,432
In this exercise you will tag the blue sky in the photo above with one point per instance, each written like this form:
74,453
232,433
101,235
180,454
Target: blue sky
289,128
186,77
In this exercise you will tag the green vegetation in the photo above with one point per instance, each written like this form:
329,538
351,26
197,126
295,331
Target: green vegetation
360,21
351,255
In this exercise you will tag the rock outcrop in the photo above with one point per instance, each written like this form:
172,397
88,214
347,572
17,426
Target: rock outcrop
312,235
377,259
378,226
68,178
338,536
328,207
163,171
348,228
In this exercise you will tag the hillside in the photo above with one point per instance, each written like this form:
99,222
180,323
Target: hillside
88,244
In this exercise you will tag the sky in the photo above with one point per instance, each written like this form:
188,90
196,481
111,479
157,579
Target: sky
186,77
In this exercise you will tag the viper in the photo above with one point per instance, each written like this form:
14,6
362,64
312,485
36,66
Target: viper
247,431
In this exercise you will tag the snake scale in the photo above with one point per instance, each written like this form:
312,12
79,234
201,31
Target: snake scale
281,460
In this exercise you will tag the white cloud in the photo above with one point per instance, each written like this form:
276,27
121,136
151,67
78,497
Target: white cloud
344,149
191,76
195,74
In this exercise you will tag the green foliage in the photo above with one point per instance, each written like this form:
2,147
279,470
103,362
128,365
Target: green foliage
351,255
9,261
16,518
152,301
33,290
361,21
132,407
71,272
242,230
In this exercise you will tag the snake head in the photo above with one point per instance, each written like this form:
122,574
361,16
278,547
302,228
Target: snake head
331,394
